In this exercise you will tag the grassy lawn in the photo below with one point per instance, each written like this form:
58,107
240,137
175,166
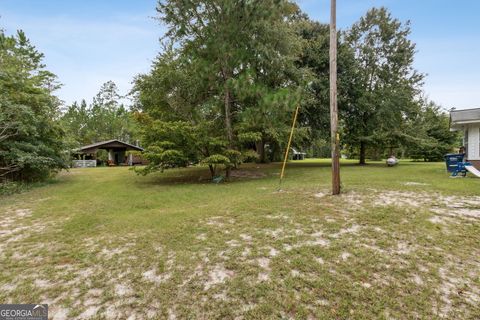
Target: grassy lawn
400,243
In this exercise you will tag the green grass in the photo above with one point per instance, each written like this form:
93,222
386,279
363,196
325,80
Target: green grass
399,243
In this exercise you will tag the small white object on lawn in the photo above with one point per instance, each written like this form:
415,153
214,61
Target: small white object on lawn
392,161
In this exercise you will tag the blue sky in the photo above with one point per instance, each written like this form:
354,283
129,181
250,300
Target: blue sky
89,42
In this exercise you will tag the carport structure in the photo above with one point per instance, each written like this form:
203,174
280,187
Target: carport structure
117,151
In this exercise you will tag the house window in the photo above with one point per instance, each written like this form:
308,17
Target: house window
465,143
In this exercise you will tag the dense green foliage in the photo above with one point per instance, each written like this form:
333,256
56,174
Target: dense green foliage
31,144
105,118
226,83
223,92
433,136
388,85
232,73
315,109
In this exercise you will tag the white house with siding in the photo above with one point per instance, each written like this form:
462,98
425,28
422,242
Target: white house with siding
468,121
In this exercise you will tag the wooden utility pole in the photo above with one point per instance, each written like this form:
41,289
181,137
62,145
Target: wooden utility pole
333,101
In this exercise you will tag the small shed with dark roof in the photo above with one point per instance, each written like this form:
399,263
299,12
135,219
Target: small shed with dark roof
117,153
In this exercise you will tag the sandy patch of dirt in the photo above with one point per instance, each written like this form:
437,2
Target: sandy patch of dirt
152,276
123,290
202,237
246,252
345,255
437,220
17,225
275,233
353,199
458,282
450,206
280,216
417,279
404,248
215,221
354,229
21,213
273,252
317,239
233,243
295,273
263,276
110,253
320,194
246,237
264,263
89,312
41,283
12,222
58,313
8,287
412,183
171,314
217,276
398,198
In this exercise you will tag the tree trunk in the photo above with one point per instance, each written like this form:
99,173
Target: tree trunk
228,120
260,146
362,153
228,170
376,154
212,170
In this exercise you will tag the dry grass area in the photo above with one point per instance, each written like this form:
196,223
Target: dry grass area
106,244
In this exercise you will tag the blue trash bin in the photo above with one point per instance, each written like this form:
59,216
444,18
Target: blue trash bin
455,164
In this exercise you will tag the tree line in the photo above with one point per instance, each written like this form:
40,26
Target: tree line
31,144
223,89
105,118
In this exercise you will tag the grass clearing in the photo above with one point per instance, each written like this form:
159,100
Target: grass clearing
103,243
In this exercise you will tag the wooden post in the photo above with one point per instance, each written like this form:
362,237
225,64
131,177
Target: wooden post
333,100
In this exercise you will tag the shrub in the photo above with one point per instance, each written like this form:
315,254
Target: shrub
250,156
234,156
11,187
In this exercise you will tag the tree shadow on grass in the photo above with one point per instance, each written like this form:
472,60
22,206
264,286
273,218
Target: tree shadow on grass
245,173
201,175
324,163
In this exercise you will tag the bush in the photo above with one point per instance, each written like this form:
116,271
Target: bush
102,156
234,156
11,187
250,156
216,159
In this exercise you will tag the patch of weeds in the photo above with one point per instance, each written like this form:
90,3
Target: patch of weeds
12,187
8,187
